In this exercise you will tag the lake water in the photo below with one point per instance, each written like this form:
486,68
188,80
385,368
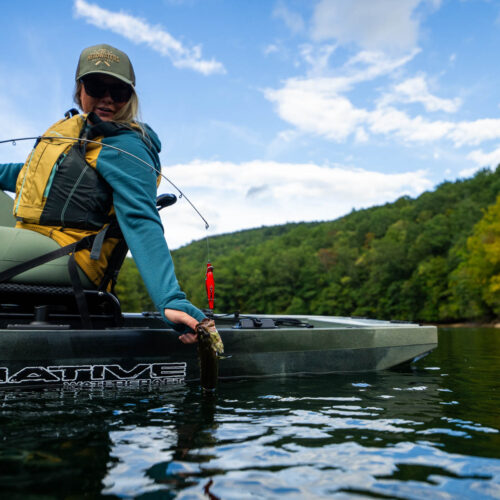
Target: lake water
431,431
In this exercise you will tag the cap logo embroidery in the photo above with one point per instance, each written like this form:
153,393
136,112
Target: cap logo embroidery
103,56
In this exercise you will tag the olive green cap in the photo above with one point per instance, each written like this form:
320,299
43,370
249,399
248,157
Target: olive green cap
107,60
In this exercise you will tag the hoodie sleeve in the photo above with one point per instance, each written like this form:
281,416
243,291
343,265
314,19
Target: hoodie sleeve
8,176
134,199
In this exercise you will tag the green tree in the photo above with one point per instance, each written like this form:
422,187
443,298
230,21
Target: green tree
476,281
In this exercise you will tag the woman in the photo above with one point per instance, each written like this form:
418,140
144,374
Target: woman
47,204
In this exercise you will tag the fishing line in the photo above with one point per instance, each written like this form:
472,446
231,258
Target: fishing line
49,137
208,249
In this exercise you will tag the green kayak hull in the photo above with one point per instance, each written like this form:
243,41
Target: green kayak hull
143,352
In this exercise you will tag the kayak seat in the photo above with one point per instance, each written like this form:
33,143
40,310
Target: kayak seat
20,245
49,284
54,282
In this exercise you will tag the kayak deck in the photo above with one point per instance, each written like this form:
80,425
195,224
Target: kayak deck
143,352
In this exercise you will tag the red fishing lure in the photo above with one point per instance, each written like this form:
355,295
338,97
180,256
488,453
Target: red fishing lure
210,285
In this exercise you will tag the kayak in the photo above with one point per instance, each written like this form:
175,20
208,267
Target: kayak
142,352
46,340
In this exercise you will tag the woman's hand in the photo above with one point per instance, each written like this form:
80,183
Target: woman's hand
181,317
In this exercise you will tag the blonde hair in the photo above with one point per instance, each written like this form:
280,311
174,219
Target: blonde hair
127,115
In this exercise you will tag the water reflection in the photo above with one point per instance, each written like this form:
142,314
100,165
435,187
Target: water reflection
428,431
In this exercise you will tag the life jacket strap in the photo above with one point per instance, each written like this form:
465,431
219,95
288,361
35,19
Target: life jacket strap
84,243
81,301
95,253
70,113
115,262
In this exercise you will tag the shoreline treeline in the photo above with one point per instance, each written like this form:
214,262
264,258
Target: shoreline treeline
432,258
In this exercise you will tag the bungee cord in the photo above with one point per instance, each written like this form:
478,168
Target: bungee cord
50,137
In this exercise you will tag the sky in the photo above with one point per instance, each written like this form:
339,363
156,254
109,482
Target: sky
274,111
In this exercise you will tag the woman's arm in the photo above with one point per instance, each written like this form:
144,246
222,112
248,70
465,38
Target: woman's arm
134,198
8,176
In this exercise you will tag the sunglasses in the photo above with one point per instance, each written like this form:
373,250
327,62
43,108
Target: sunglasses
96,87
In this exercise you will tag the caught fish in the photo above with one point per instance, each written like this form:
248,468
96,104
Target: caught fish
210,347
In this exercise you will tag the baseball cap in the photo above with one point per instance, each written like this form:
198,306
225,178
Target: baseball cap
105,59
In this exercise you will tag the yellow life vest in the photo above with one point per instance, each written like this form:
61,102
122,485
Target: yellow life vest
60,194
34,183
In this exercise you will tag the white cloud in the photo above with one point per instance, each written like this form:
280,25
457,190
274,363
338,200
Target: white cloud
482,159
381,24
139,31
259,193
315,106
317,57
468,172
292,20
387,120
288,135
475,132
368,65
320,106
361,135
270,49
415,90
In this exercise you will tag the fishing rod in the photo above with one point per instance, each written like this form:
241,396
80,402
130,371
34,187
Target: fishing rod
50,137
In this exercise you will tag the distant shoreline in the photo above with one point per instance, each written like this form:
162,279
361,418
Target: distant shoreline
468,324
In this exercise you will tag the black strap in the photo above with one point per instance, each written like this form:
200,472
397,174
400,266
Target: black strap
84,243
70,113
114,264
80,299
95,253
93,242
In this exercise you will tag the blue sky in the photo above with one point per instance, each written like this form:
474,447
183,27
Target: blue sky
273,111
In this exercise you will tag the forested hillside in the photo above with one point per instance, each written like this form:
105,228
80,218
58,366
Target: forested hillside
433,258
